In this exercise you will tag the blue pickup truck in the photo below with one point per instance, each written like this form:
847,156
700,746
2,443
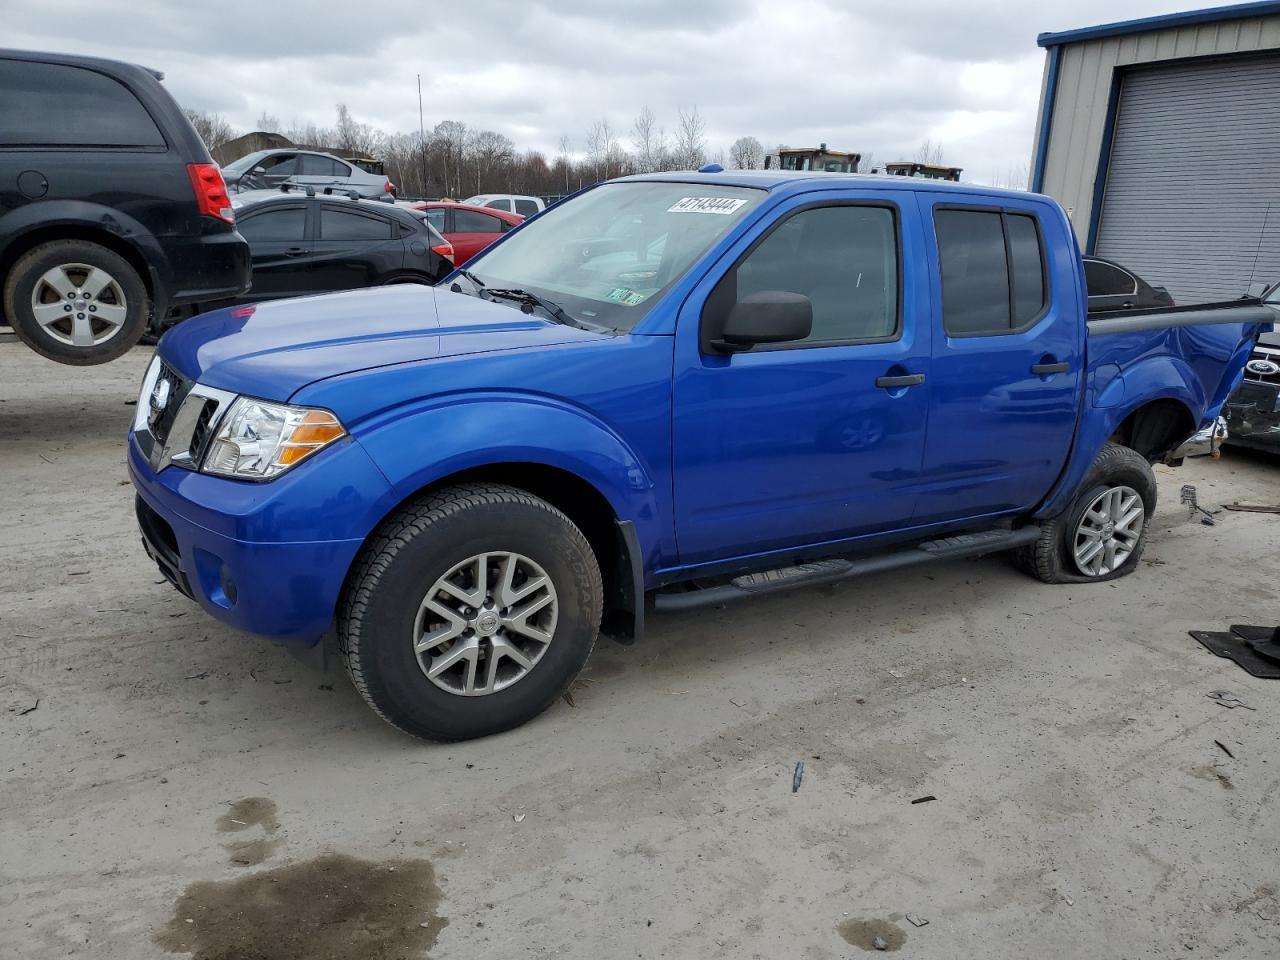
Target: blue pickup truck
665,391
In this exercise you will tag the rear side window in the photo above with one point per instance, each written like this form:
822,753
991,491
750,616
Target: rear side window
313,166
470,221
342,225
500,205
435,217
992,266
51,104
526,208
843,258
1104,280
287,224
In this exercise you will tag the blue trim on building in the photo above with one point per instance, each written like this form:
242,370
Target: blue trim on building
1046,122
1104,161
1236,11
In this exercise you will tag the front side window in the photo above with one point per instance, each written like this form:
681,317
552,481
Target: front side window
992,266
287,224
573,254
280,165
343,225
317,166
500,205
51,104
471,221
843,258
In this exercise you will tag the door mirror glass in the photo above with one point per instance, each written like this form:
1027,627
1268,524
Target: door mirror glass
771,316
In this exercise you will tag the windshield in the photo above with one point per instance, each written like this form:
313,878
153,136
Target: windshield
244,164
606,255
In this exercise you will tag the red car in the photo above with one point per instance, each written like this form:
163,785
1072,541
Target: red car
470,229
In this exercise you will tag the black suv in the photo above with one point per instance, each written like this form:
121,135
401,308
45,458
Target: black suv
111,209
304,242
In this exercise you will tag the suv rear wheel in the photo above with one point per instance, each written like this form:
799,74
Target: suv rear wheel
76,302
470,612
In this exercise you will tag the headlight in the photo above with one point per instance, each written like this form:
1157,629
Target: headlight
259,440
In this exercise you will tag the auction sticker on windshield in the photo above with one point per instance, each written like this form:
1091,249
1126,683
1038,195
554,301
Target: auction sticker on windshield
721,205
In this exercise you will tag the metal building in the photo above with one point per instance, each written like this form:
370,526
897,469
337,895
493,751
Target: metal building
1161,137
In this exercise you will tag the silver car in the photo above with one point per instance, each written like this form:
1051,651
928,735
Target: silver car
267,169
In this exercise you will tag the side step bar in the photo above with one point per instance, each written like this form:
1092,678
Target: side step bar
827,571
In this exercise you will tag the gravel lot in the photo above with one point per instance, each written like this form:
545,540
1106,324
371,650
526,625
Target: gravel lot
181,787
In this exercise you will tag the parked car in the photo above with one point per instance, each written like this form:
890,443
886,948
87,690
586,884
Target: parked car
111,209
1112,287
266,169
1253,410
509,202
791,379
470,229
304,244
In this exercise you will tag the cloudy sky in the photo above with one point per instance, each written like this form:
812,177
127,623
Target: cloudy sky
873,77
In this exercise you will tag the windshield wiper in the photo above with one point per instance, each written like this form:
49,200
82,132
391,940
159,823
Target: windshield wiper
472,277
554,310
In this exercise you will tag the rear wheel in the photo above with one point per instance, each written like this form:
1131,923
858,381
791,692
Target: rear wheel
1102,534
471,612
76,302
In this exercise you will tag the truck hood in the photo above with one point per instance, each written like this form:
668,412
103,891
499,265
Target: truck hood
272,350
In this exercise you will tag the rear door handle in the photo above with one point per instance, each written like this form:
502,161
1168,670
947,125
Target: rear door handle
296,251
893,383
1044,369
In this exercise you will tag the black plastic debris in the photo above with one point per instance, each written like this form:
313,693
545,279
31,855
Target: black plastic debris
924,799
797,776
1258,657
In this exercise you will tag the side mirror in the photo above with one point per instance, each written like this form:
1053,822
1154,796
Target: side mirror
771,316
1256,289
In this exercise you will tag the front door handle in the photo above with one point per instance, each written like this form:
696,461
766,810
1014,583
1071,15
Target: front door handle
1044,369
894,383
296,251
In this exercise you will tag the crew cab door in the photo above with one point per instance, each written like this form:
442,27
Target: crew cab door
1007,356
792,444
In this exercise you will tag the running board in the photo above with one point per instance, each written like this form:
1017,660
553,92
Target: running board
827,571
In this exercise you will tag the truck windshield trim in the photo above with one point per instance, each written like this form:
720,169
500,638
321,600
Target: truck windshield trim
607,256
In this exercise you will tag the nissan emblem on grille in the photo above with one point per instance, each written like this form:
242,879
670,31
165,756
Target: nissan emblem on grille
159,400
1263,368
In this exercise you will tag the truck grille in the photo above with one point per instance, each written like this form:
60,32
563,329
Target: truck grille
160,421
1263,365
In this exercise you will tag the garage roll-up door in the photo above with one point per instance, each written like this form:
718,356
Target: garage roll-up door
1194,173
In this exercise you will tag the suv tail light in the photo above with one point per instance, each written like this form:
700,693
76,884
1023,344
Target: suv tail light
211,192
445,250
388,187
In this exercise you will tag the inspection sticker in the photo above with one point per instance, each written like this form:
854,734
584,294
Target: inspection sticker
721,205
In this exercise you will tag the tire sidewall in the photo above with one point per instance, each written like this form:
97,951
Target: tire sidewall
1102,478
31,266
396,682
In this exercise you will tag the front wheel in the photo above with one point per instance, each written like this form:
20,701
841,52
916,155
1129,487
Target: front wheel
1102,534
470,612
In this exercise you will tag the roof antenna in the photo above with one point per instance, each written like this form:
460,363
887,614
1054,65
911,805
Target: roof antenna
1261,233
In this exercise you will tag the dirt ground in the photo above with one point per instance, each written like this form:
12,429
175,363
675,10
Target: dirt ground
168,785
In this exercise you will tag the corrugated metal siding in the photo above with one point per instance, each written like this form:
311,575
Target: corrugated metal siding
1192,197
1084,89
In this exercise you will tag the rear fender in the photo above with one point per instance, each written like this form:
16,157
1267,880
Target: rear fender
1142,383
418,446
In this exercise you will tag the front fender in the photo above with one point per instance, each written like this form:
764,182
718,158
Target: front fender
422,444
1111,403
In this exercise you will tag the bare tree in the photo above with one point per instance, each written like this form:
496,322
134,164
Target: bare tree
357,138
746,153
650,142
930,153
565,145
488,153
602,147
449,138
213,128
268,124
691,141
867,163
1016,176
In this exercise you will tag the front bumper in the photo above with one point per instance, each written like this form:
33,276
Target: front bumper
266,558
1253,415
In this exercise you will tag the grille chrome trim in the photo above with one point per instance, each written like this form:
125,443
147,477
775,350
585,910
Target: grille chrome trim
190,418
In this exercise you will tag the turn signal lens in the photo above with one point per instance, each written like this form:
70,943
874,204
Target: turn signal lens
319,428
